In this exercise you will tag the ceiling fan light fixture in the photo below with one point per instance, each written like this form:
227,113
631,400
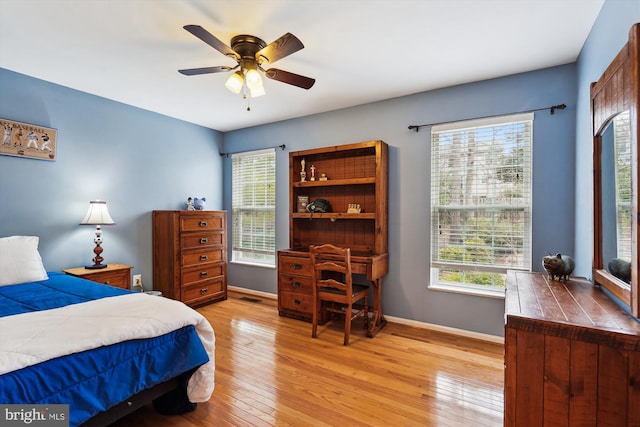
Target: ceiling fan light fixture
254,83
235,82
253,79
251,53
257,91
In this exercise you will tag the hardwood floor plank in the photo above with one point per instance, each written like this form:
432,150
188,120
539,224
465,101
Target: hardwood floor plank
270,372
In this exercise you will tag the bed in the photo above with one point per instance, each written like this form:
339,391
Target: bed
103,351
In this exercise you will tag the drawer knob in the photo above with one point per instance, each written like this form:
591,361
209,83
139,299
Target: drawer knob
297,284
203,223
107,282
297,302
203,240
203,257
203,291
297,266
203,274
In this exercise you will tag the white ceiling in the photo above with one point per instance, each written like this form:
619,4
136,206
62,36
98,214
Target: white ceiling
359,51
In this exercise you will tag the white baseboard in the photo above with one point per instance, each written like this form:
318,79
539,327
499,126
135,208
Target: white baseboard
447,329
253,292
417,324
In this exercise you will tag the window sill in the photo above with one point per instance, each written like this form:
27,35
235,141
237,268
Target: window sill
253,264
487,293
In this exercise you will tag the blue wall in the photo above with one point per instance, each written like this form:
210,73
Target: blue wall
609,33
405,291
134,159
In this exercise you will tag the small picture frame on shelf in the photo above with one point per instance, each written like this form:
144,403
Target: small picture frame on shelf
303,201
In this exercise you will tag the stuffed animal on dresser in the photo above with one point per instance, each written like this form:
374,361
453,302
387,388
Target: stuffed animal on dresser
199,203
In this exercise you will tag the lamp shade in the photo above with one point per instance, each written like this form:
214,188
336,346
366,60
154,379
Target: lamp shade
98,214
235,82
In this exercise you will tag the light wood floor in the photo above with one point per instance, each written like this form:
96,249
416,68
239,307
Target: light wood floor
270,372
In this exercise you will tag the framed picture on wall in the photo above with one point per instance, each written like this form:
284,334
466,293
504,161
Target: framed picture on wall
25,140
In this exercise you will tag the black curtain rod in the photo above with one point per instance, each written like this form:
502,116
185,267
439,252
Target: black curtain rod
552,109
255,149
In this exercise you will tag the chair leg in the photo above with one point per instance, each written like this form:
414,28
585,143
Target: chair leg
366,312
347,323
314,319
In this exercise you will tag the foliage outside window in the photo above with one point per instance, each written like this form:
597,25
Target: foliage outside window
480,202
253,207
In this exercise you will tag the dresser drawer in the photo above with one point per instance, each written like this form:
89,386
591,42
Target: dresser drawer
192,275
201,257
206,222
294,301
204,290
294,265
298,284
200,240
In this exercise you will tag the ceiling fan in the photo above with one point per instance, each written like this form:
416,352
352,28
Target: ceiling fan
251,53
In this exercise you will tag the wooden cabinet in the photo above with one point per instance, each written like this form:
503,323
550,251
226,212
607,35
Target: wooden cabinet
117,275
190,255
572,356
356,174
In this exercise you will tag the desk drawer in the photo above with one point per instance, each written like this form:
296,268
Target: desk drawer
294,265
201,257
192,275
298,284
296,302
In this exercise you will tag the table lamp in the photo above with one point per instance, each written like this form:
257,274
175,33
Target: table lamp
97,215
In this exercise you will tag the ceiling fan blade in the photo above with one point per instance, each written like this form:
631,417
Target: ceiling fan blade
284,46
205,70
211,40
290,78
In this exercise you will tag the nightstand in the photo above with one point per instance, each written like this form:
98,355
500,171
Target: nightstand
118,275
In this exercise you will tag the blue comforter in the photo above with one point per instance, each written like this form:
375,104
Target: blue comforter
95,380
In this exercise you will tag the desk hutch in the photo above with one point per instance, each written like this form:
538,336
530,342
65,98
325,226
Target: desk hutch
356,174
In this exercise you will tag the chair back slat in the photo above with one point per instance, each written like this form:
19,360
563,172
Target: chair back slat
332,283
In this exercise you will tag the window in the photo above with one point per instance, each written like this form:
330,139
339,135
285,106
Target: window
480,202
254,207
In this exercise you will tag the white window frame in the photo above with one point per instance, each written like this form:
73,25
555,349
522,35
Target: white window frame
486,202
253,210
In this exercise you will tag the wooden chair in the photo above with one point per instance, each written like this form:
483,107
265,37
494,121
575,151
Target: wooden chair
332,283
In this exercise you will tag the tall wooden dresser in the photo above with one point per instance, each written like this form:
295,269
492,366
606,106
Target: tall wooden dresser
572,356
353,178
190,255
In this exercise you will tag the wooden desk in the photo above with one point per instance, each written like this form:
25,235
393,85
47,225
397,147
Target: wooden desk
572,356
295,284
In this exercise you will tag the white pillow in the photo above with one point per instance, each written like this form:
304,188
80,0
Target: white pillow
20,261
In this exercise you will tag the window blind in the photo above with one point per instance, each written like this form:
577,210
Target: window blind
253,206
481,199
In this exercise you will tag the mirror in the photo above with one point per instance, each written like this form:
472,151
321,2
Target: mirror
616,198
614,111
